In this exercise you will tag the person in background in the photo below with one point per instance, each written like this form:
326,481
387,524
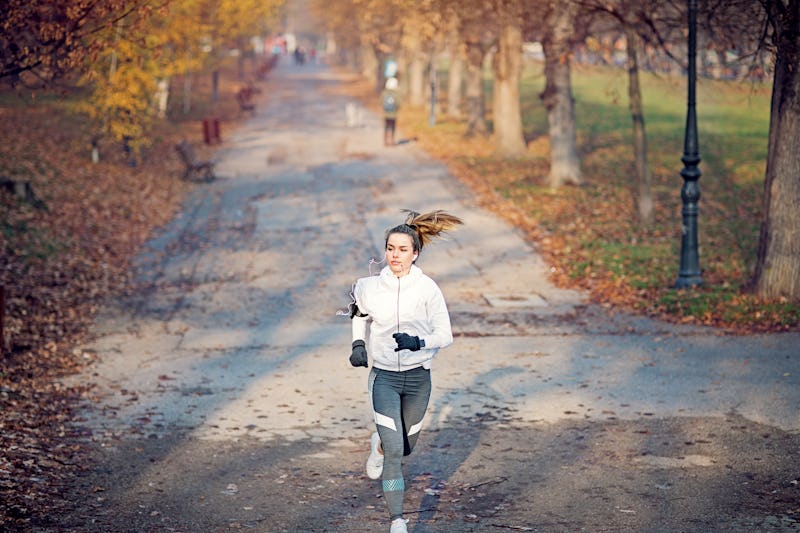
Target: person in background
390,101
408,324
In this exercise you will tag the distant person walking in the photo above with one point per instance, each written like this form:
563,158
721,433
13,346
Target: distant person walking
390,100
408,324
299,56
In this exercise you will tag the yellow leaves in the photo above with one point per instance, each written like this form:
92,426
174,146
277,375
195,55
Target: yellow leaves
121,59
121,101
385,24
135,54
540,146
237,19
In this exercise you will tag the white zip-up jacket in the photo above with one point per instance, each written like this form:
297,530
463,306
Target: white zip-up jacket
411,304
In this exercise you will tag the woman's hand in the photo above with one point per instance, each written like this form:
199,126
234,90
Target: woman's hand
407,342
358,357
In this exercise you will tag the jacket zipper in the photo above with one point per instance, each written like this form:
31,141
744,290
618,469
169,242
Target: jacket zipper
398,321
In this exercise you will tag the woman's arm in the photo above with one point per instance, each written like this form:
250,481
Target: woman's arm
439,319
359,327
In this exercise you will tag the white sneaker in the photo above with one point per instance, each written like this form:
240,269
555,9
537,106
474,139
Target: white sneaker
399,526
375,459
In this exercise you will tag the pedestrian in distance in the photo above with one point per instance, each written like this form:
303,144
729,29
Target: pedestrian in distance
390,101
406,316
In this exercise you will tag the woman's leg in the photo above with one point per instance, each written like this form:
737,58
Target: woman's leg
387,131
385,389
414,403
399,402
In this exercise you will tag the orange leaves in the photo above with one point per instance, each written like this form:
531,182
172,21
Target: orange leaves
56,266
591,238
51,38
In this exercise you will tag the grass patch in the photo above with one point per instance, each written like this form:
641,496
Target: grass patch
591,235
31,243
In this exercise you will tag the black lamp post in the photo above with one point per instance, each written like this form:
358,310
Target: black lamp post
689,274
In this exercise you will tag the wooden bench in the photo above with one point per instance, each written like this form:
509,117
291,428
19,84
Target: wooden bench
244,98
266,66
205,169
263,69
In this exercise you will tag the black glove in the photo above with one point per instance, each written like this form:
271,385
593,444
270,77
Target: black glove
359,355
407,342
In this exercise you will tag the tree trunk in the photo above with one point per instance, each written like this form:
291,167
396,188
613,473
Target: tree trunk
476,111
351,57
416,74
215,85
643,178
331,47
723,69
705,67
455,78
509,141
162,96
416,81
369,63
557,98
187,93
777,271
402,70
380,61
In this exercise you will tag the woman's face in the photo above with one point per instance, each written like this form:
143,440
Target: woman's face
400,253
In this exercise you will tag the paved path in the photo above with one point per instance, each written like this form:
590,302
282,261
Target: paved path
235,339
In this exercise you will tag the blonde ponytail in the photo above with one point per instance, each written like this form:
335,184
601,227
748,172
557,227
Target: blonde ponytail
424,227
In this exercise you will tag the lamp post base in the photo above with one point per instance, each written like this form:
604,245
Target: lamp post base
684,282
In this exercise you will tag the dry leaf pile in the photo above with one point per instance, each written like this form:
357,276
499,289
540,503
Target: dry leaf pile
61,255
66,251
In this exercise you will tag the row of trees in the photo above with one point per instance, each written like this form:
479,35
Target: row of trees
124,51
417,31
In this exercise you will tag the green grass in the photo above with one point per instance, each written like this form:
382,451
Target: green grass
30,242
733,126
597,224
644,266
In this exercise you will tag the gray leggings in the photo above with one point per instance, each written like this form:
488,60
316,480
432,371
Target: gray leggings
399,401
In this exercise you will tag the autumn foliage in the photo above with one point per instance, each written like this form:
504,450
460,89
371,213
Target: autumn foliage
45,40
590,235
80,77
63,256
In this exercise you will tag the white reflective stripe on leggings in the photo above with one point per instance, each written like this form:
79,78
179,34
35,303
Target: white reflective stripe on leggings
415,428
385,421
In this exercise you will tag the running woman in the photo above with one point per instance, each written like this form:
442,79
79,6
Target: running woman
408,324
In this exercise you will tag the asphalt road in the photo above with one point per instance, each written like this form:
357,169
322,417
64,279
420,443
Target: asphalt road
225,399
